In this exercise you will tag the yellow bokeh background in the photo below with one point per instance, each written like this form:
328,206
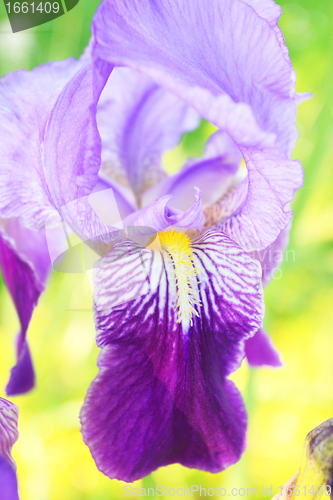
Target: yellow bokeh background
283,404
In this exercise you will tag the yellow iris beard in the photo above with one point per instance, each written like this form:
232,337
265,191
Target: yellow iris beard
179,247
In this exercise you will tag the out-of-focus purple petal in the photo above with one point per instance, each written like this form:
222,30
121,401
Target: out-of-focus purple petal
8,429
212,175
138,121
25,264
159,216
230,204
260,350
51,145
8,481
8,436
161,395
273,180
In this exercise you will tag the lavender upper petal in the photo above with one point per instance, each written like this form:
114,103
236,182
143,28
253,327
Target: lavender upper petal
72,147
25,264
239,55
51,146
26,102
234,71
124,197
138,121
168,386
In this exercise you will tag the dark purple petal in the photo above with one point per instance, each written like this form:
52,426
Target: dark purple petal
161,395
228,48
8,436
229,62
26,102
25,264
138,121
260,351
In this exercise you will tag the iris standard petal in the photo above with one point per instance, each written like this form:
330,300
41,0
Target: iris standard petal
25,264
8,436
124,198
225,49
229,63
161,395
138,121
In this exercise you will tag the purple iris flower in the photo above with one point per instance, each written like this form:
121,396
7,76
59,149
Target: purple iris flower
8,436
173,321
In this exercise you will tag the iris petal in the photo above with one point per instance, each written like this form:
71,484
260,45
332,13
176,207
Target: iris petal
26,102
213,175
230,64
260,351
8,436
159,216
25,264
138,121
161,395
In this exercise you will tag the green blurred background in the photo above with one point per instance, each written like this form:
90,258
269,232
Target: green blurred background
283,404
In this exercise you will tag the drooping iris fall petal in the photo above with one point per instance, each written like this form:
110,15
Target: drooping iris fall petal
171,324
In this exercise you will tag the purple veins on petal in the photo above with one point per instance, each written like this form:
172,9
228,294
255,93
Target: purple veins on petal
166,382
